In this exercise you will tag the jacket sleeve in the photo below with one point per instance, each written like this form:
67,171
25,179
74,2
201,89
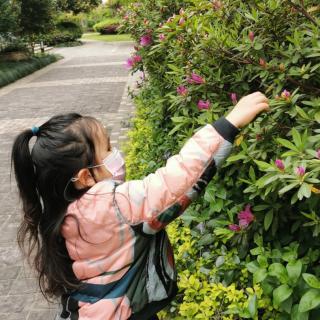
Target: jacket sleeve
159,198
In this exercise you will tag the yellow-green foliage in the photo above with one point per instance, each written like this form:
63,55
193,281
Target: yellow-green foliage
138,144
202,298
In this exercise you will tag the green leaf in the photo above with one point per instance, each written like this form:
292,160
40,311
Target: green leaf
236,157
302,113
296,137
259,275
304,191
268,220
311,280
287,305
317,116
263,261
263,165
206,239
310,300
288,187
258,46
220,261
287,144
279,271
294,270
281,294
253,305
252,266
296,315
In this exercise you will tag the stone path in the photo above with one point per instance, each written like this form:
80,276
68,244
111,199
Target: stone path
91,80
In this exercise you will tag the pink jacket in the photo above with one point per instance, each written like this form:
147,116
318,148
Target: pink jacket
115,232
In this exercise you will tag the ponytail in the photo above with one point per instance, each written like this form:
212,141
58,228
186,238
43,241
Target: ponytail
27,184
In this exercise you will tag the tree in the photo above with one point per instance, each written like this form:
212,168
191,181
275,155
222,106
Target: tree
77,6
8,17
36,18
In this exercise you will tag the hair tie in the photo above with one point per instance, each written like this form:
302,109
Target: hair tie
35,130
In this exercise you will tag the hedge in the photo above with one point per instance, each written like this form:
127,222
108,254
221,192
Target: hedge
107,26
12,71
199,58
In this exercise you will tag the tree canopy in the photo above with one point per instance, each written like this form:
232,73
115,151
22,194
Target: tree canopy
77,6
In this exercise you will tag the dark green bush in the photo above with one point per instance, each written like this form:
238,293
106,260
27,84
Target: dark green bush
12,71
65,31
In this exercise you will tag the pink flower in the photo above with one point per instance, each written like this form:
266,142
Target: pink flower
285,94
245,217
318,154
234,227
129,63
162,37
132,61
196,79
182,90
300,171
203,105
181,12
146,40
262,62
279,164
251,36
234,98
137,58
181,21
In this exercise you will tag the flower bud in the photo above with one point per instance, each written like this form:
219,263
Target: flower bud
251,36
279,164
233,97
300,171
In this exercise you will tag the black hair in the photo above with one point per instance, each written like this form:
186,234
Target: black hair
63,146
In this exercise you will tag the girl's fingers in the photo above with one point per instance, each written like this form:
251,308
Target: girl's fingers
263,106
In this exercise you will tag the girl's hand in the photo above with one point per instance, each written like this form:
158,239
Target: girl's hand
247,109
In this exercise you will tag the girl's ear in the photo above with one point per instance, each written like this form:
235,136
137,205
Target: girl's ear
85,179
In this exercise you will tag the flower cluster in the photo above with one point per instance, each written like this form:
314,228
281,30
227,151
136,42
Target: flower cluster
146,40
182,90
245,218
132,61
195,79
203,105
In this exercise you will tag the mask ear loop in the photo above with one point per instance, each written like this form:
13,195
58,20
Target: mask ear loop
65,190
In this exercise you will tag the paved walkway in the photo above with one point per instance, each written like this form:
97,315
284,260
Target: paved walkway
91,80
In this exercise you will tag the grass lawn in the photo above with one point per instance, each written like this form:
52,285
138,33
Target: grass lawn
11,71
106,37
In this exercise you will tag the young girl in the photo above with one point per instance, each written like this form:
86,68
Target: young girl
100,242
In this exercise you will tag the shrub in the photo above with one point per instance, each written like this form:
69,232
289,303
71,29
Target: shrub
107,26
97,15
11,43
268,268
66,30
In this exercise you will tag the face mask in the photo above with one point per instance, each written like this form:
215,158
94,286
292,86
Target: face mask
114,163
